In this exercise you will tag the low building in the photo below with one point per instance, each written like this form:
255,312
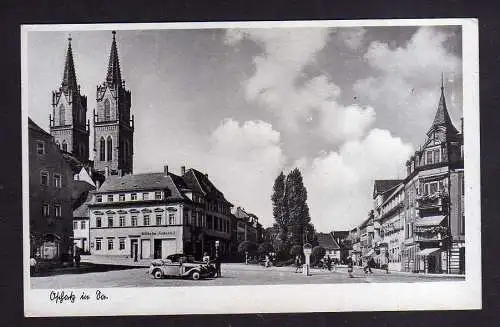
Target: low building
327,241
50,190
156,214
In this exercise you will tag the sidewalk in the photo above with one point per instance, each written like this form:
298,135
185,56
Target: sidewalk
405,273
115,260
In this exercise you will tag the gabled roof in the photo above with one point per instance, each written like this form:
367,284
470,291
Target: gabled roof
383,185
147,181
327,241
199,182
32,125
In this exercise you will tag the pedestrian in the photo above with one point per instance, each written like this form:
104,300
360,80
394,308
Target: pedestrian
386,262
217,265
206,257
350,266
267,263
329,263
366,267
77,257
297,263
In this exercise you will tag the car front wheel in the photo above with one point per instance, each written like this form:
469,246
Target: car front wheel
157,274
195,275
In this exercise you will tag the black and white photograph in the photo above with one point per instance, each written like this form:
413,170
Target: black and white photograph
307,166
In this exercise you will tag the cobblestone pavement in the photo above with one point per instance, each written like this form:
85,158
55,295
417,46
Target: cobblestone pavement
232,274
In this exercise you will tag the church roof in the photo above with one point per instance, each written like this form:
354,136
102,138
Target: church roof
114,75
442,117
69,76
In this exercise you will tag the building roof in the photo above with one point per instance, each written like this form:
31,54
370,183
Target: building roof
83,210
442,117
32,125
381,186
114,76
143,182
69,76
199,182
327,241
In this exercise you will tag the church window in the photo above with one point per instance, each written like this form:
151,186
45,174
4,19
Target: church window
110,148
107,113
64,146
62,120
102,147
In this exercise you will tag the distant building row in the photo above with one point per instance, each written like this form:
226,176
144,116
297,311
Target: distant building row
420,220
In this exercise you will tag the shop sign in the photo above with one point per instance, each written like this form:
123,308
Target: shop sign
162,233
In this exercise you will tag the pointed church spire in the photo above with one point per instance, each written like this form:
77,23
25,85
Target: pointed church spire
114,75
442,117
69,77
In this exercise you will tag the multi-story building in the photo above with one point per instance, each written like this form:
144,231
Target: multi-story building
390,216
156,214
81,225
51,182
434,221
354,239
247,226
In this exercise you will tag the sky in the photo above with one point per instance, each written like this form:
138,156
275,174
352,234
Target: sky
346,105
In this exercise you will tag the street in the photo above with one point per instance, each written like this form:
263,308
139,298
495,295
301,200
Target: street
232,274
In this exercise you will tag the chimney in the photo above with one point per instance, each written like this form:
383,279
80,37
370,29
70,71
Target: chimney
165,169
462,125
183,170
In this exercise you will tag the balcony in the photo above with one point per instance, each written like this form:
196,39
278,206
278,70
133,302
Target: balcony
434,201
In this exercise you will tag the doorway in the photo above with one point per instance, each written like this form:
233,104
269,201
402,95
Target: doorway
157,249
133,248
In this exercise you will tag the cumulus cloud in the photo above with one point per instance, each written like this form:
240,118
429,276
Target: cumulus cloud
244,159
353,37
340,183
281,85
406,80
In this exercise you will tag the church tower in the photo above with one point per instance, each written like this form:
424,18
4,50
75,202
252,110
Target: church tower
113,126
67,122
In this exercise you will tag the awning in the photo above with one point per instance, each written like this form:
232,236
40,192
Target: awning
430,221
428,251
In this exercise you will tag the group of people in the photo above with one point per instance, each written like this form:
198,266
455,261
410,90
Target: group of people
368,263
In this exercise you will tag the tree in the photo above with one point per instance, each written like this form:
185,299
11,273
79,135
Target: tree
247,247
296,250
296,205
317,253
279,209
265,248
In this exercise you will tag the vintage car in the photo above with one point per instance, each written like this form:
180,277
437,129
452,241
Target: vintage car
180,265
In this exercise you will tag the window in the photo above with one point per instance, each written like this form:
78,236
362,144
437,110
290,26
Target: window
110,148
462,224
98,245
110,244
433,188
158,220
57,210
102,149
122,244
40,148
186,216
57,180
98,222
62,119
133,196
122,221
44,178
437,156
110,198
145,196
83,225
58,145
171,218
121,197
107,111
146,220
45,210
75,225
157,195
110,221
429,157
98,198
65,146
134,220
